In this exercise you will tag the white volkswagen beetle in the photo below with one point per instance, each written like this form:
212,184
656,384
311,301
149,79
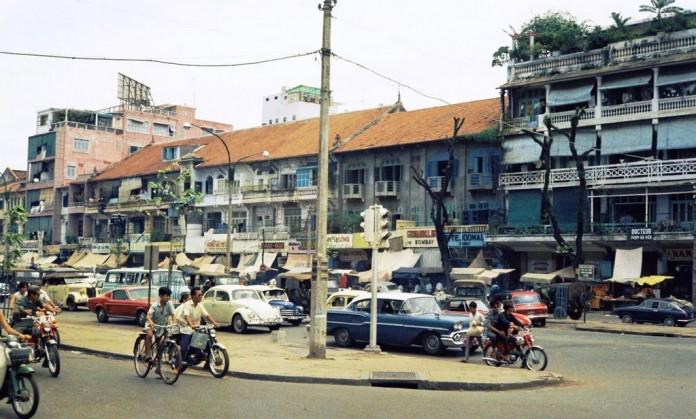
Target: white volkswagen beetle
240,307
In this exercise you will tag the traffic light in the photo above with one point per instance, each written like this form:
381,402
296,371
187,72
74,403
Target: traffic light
368,224
383,216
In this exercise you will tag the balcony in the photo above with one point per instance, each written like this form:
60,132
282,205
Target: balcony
387,188
654,171
89,127
481,181
353,191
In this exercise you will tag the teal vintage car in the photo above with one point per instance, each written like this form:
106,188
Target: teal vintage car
403,319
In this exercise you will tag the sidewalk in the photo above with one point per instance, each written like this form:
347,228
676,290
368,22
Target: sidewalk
288,362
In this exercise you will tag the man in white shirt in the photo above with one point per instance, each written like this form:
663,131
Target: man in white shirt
190,315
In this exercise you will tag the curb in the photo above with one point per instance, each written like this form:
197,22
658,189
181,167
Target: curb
633,332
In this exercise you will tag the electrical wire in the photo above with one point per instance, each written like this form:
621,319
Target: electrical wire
155,61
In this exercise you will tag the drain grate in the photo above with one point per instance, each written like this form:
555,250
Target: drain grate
401,379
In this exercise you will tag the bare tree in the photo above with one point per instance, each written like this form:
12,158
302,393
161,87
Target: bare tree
438,212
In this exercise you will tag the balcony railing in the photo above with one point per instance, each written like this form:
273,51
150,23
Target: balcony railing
386,188
353,190
624,173
90,127
602,229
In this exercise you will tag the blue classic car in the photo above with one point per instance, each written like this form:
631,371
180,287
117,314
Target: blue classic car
403,319
276,297
670,312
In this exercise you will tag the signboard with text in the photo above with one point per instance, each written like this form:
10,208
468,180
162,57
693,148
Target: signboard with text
640,233
427,237
101,248
339,241
586,272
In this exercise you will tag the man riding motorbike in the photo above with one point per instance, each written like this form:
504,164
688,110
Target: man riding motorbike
504,322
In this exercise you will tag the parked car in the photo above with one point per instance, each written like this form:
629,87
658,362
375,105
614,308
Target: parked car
128,302
459,305
69,289
471,289
529,303
130,277
241,307
403,319
341,299
383,286
276,297
667,311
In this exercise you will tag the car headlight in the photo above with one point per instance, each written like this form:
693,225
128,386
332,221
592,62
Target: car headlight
458,326
252,315
300,309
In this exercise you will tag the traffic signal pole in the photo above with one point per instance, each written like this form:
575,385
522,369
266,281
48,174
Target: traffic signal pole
373,347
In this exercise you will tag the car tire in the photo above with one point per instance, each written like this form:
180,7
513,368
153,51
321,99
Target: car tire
575,313
295,322
343,338
669,322
274,328
238,324
141,318
72,305
542,323
102,317
432,345
626,318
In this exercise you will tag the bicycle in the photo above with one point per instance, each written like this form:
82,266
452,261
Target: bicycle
165,354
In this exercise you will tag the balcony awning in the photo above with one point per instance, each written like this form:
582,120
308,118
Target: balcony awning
626,138
520,150
628,264
584,140
675,133
676,78
626,81
562,95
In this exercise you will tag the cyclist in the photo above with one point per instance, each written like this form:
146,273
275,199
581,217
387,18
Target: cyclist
159,315
190,318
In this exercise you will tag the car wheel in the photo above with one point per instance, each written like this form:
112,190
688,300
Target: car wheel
575,313
141,318
432,345
238,324
669,321
295,322
541,323
627,318
343,338
72,306
102,317
274,328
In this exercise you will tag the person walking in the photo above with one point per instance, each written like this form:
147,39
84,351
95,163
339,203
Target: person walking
476,322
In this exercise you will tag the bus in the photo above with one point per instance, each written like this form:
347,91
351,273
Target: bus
131,277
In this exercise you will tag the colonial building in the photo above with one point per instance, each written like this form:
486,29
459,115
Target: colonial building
639,98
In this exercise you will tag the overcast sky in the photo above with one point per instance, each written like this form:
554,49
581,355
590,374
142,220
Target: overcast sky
441,48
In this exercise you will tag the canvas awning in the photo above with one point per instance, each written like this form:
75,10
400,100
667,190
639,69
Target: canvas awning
566,273
298,263
623,81
628,263
112,263
676,78
127,185
213,268
245,261
267,259
569,95
74,258
387,262
203,260
465,273
653,279
91,260
182,260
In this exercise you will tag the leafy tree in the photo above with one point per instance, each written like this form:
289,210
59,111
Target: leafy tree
12,239
660,8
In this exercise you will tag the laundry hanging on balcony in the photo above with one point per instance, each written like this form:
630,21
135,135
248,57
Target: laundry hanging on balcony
624,81
570,94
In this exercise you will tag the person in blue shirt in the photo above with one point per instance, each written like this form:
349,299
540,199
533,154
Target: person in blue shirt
160,314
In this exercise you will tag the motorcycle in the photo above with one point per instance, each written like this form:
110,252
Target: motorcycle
204,347
44,337
16,377
523,351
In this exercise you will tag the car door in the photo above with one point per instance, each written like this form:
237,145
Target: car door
390,323
223,306
359,320
118,304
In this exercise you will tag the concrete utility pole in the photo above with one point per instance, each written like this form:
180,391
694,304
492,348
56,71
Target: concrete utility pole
317,334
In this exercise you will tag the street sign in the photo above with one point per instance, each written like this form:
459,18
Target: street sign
585,272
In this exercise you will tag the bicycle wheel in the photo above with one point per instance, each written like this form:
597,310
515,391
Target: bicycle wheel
170,362
142,367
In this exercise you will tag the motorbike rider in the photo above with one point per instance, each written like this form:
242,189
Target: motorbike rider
158,315
29,305
489,328
21,292
189,319
504,322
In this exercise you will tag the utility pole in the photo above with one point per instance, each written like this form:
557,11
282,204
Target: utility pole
317,335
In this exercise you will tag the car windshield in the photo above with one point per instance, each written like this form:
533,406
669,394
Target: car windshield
246,295
275,295
420,305
526,299
139,293
75,280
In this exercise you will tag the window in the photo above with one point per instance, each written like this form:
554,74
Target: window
209,185
163,129
294,117
81,145
239,221
276,120
293,219
134,125
389,170
132,149
119,295
285,119
71,172
270,122
288,181
354,176
170,153
306,177
42,120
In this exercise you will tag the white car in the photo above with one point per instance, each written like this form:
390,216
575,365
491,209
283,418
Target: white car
341,299
240,307
383,286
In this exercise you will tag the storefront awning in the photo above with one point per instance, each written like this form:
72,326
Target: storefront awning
569,95
566,273
245,262
628,264
653,279
298,262
387,262
91,260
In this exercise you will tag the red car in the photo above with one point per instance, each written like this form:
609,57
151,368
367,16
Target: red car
128,302
529,303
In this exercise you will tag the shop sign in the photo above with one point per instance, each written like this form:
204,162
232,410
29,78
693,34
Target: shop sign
275,246
29,246
467,240
351,255
420,237
680,255
216,246
101,248
339,241
640,233
586,272
540,266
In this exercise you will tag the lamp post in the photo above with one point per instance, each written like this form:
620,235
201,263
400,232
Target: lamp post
230,180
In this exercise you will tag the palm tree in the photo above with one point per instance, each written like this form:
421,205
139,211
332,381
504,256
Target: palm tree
660,7
619,21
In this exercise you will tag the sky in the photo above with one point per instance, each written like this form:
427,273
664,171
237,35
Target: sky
431,52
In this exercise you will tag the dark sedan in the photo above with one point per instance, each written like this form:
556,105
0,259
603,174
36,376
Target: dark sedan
669,312
130,302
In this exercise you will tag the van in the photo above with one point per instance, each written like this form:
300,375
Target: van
131,277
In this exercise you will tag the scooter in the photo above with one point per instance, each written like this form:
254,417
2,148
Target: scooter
205,347
523,351
17,378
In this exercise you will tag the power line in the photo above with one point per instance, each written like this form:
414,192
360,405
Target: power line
155,61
